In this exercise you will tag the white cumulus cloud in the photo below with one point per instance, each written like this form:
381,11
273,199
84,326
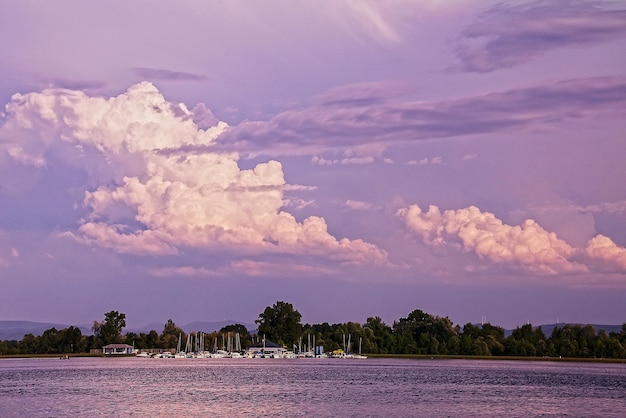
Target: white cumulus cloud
156,186
528,245
602,249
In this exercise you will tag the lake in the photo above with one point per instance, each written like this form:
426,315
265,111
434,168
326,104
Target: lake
309,387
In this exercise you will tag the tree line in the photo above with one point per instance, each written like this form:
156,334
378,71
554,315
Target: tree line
109,331
418,333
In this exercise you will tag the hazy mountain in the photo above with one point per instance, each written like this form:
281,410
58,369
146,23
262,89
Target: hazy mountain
548,328
15,330
157,326
214,326
195,326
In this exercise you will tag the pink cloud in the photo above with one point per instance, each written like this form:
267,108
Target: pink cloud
527,246
610,256
152,195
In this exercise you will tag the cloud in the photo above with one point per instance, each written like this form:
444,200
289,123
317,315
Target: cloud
8,256
364,94
203,117
509,35
572,221
298,204
527,246
610,256
425,161
357,155
159,74
343,161
77,84
298,187
360,18
184,271
604,207
278,269
378,122
245,267
469,157
384,22
146,194
357,205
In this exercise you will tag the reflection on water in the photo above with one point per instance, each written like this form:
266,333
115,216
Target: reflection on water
312,387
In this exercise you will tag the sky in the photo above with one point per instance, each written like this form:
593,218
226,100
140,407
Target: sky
202,160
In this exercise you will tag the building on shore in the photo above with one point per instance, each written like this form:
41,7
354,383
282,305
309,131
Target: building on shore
266,348
113,349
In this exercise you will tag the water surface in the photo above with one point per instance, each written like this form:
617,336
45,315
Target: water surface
309,387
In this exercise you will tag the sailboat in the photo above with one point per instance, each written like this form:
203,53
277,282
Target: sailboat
359,355
179,352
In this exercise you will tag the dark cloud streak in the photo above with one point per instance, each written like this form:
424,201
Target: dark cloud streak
158,74
326,127
506,36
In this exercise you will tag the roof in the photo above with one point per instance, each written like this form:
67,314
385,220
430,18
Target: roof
118,346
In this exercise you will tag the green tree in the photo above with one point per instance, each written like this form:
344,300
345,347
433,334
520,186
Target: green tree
378,336
49,341
29,344
153,340
171,334
69,339
422,333
110,330
526,341
280,323
244,335
564,341
136,340
323,334
470,333
483,340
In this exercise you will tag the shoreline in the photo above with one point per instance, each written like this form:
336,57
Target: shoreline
371,356
499,358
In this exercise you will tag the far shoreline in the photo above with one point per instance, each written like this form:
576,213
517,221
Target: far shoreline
499,358
370,356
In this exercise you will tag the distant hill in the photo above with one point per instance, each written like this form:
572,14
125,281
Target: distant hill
15,330
157,326
214,326
548,328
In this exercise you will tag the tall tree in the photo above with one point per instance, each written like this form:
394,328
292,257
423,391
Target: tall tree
110,330
379,336
171,334
69,339
280,323
422,333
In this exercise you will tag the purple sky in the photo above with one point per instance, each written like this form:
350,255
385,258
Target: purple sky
201,160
